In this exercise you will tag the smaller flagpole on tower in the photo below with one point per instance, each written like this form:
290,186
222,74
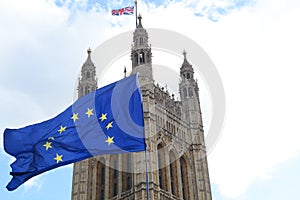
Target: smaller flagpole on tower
135,1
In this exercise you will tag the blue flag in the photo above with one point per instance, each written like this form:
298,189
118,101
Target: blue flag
107,121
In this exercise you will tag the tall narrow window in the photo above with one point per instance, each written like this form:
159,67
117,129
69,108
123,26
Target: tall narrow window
103,174
191,92
173,174
127,172
129,183
136,59
101,178
113,176
102,194
172,178
184,179
129,175
88,75
142,57
115,189
87,90
161,168
184,92
141,41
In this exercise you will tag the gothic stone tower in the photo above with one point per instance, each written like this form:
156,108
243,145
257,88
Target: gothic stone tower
176,154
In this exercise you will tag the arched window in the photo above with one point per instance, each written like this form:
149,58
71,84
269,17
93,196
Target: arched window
141,41
161,168
142,57
113,176
148,57
173,174
88,74
136,58
87,90
190,92
101,178
127,172
184,179
188,76
184,92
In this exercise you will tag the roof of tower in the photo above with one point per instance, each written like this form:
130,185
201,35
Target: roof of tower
185,61
89,59
186,65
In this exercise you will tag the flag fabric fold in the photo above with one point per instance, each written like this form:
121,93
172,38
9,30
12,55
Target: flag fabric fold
129,10
107,121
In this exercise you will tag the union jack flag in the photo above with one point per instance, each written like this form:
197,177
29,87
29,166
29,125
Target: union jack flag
123,11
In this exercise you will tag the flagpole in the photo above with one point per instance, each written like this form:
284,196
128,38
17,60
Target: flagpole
135,1
147,182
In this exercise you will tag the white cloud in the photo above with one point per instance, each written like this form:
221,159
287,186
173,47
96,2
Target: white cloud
33,183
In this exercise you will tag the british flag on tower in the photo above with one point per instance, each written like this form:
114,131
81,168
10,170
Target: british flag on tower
123,11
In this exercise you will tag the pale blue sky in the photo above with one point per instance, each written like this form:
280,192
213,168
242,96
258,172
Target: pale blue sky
254,45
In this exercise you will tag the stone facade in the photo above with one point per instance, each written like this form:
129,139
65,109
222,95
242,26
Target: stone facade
176,155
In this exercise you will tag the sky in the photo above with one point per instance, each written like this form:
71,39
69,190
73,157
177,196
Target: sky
253,44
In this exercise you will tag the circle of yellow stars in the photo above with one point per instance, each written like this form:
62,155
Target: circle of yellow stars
75,117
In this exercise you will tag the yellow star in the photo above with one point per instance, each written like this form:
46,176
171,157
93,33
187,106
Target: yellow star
58,158
103,117
50,138
89,112
109,140
47,145
109,125
62,129
75,117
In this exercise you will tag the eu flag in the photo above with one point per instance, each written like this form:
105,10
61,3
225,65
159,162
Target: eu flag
107,121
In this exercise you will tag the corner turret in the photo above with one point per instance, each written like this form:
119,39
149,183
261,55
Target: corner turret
88,80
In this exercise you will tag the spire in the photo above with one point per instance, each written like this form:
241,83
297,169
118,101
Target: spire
88,61
140,21
186,70
87,81
185,61
184,54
